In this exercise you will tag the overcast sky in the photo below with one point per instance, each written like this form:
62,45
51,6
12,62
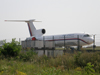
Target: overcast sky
57,16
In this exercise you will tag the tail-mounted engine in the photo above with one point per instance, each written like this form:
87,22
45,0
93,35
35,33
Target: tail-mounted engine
40,32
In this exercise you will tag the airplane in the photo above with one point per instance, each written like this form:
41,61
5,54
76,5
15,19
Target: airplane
73,39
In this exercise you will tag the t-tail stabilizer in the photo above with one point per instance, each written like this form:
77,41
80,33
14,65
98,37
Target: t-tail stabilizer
32,29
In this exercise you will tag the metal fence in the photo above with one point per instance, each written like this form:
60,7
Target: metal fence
51,48
44,43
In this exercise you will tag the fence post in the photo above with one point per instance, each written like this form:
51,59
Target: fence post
44,44
64,44
78,47
34,44
53,42
53,46
93,42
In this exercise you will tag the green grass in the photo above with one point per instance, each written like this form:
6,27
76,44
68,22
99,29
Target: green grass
68,64
28,68
28,63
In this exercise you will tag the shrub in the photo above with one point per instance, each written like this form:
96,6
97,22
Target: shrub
76,57
89,69
11,49
27,55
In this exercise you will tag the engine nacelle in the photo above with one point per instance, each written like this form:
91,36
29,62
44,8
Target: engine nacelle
40,32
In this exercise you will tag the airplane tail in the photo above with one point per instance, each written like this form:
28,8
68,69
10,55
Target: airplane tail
32,29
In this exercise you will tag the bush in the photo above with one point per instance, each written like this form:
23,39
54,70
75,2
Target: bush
27,56
77,57
11,49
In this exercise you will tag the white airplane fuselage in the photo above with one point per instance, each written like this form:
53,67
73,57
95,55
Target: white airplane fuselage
69,39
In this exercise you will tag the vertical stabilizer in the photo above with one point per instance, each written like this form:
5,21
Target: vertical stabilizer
32,29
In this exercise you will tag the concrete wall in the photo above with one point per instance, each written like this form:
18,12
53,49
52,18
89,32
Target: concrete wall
38,44
50,53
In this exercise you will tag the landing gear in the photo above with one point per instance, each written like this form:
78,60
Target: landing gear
69,48
72,48
94,46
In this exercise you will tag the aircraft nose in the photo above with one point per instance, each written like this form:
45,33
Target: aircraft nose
90,40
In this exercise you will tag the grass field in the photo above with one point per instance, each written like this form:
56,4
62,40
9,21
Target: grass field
15,62
68,64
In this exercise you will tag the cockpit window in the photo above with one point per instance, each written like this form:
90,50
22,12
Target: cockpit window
86,35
